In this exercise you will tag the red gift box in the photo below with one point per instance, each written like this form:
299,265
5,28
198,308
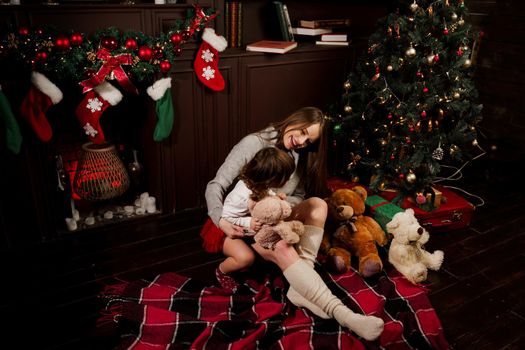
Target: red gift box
453,213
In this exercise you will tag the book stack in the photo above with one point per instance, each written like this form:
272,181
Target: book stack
271,46
339,39
233,23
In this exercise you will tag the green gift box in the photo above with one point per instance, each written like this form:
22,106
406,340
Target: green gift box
381,210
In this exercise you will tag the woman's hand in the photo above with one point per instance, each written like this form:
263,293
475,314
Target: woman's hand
231,230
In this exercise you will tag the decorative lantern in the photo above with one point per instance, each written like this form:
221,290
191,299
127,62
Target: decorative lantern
100,173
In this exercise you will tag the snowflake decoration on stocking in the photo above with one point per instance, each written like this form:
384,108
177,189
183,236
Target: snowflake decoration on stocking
207,56
208,73
89,130
94,105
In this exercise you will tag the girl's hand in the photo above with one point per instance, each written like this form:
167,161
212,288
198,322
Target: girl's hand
255,224
281,195
231,230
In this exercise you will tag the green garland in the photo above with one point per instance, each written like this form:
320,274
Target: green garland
73,56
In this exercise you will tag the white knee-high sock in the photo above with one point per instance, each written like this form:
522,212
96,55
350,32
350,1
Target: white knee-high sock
309,243
306,282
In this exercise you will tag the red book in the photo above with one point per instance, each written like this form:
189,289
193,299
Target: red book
272,46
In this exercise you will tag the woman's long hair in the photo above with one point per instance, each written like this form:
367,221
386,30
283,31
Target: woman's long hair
312,165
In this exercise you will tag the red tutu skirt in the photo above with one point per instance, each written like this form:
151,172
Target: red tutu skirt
213,237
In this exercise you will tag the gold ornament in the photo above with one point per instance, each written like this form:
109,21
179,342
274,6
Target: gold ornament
475,142
454,16
414,7
467,63
410,52
461,21
348,109
430,59
411,178
355,179
456,95
347,85
453,149
441,113
389,68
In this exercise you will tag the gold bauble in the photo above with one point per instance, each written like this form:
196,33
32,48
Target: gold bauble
475,142
348,109
440,113
411,178
467,63
461,22
454,16
389,68
347,85
430,59
456,95
453,149
414,7
410,52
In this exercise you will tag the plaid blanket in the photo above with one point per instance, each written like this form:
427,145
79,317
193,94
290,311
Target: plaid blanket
176,312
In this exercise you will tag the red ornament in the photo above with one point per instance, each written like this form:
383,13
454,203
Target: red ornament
459,52
445,31
389,116
411,129
423,114
419,74
131,44
186,35
41,56
401,176
145,53
76,39
109,43
158,52
436,58
407,140
23,31
177,51
392,157
62,42
420,199
425,89
165,66
176,38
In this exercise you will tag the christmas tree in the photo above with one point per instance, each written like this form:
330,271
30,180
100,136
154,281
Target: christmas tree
409,108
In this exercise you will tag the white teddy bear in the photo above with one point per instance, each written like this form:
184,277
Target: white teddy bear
407,253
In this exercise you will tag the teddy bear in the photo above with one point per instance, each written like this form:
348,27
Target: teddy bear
349,232
406,252
271,211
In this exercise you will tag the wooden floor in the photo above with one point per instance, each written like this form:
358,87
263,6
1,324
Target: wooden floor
479,294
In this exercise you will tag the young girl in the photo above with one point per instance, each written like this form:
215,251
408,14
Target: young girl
269,169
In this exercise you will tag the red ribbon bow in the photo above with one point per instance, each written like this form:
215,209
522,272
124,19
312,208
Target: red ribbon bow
111,64
200,19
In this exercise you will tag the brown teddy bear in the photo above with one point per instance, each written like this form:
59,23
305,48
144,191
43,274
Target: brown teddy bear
272,211
349,232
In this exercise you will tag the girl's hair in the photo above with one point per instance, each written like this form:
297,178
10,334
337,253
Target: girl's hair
269,168
312,165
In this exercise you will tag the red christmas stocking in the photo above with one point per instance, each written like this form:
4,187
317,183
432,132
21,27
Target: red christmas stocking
207,60
41,95
93,105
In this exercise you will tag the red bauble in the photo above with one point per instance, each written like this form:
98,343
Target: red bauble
177,51
158,52
436,58
145,53
41,56
176,38
186,35
62,42
401,176
423,114
109,43
165,66
459,52
389,116
445,31
76,39
23,31
131,44
425,89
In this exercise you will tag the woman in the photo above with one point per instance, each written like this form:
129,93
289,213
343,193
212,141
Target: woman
303,135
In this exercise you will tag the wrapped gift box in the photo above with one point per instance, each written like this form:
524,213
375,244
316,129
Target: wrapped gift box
454,213
381,210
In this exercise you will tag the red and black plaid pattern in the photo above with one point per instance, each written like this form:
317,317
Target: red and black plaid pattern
175,312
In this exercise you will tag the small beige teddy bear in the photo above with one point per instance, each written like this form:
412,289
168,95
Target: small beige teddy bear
407,253
272,211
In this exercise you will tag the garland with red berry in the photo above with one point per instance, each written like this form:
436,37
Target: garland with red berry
106,55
